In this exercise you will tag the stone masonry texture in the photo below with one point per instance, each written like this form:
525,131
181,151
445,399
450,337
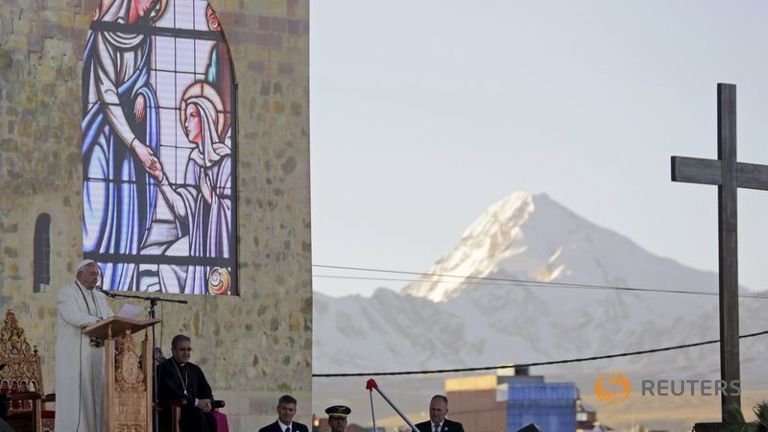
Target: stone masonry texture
254,347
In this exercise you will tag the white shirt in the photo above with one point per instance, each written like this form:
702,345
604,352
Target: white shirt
284,426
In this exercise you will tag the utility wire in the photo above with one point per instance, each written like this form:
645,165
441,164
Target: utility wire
536,283
507,281
545,363
545,284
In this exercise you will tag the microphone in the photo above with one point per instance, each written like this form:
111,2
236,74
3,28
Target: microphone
105,292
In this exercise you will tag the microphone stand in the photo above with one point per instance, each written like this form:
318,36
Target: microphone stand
153,300
371,385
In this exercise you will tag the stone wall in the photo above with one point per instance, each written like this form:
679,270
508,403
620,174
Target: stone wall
253,347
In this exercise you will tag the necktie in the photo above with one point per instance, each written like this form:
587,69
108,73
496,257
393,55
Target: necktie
437,427
288,429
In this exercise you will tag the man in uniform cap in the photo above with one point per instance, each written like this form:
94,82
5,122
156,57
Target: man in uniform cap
337,417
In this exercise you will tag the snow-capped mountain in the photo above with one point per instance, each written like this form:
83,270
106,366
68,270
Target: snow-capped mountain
491,317
534,238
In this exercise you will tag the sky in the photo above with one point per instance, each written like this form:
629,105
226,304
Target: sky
423,113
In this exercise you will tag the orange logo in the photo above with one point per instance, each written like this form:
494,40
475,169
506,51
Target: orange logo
612,386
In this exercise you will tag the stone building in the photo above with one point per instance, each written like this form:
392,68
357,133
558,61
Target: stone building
254,346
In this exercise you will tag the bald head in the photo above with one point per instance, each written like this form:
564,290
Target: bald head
438,409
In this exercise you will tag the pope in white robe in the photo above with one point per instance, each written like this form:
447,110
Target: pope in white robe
79,365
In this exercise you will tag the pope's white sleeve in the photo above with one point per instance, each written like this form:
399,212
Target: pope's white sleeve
70,311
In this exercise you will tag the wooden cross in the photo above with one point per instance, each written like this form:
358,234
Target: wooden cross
728,175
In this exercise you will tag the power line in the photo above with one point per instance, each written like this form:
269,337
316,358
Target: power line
507,281
545,363
536,283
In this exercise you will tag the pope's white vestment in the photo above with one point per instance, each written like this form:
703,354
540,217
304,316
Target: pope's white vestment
79,366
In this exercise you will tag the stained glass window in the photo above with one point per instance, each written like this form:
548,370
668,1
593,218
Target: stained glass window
159,148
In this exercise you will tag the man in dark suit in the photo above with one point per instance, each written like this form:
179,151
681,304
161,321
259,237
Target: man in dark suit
286,409
438,409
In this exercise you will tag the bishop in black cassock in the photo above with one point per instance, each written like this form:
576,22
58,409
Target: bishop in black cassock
179,379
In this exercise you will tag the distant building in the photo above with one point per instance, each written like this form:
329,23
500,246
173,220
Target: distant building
506,403
586,419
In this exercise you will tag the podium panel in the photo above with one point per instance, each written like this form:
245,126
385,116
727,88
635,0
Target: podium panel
116,326
128,374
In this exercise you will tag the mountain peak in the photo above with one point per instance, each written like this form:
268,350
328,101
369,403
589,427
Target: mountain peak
494,236
534,238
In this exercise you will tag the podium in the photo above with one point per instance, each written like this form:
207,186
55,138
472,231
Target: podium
128,373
